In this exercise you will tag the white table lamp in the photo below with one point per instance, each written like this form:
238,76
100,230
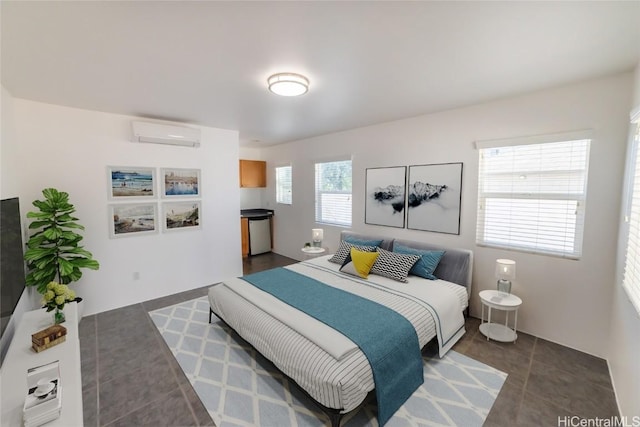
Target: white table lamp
505,273
317,234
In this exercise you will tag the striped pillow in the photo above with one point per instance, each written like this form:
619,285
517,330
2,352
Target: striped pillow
394,265
345,249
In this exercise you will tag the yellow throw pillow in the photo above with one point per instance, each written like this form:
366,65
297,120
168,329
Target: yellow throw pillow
359,263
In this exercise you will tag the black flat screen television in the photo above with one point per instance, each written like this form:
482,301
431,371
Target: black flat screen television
12,277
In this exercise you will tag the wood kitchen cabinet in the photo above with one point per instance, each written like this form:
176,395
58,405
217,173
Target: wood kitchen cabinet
253,173
244,227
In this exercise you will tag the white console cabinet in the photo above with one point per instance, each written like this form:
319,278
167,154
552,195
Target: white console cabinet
21,357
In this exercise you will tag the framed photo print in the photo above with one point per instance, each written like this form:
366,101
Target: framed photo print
126,182
385,196
434,197
181,215
133,219
180,182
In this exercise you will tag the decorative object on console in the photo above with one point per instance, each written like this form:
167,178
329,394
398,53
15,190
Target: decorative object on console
49,337
44,396
385,196
434,197
505,273
317,234
53,251
54,299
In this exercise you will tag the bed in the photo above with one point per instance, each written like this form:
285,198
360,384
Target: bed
328,366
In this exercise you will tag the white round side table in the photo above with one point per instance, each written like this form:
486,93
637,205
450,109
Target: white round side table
499,301
312,251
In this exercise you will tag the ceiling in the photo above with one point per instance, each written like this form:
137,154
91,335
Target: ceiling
207,63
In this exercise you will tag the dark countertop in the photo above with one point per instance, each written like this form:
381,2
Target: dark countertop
255,213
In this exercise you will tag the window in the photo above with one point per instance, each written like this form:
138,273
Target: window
631,280
333,193
283,185
531,194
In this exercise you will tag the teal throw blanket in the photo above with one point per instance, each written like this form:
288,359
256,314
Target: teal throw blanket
387,339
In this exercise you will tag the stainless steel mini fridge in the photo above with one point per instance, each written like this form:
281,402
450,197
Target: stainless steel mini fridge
259,236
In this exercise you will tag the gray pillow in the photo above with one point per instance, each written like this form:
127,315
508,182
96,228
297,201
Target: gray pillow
428,260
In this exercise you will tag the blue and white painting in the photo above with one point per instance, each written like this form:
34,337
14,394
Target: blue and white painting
132,182
434,196
181,182
385,198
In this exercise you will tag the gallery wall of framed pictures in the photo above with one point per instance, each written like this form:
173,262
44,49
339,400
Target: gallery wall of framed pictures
418,197
136,209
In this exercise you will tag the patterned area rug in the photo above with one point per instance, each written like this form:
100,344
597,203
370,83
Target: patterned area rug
239,387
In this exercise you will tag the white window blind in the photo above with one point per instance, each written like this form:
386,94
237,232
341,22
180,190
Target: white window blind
531,197
283,185
631,280
333,193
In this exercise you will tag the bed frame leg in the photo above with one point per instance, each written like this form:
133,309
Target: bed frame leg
210,313
335,418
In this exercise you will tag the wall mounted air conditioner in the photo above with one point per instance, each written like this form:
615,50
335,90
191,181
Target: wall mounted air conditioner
155,133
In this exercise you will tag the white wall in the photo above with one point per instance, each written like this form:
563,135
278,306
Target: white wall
565,301
625,324
636,86
70,149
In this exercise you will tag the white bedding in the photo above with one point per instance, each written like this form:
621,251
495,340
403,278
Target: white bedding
321,360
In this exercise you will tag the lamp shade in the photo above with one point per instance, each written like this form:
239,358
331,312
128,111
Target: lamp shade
505,269
317,234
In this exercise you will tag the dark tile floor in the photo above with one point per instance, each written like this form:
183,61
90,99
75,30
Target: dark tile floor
130,378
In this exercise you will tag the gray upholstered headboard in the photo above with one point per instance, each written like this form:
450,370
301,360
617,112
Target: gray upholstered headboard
455,266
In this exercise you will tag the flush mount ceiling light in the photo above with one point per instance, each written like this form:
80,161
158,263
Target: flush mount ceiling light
288,84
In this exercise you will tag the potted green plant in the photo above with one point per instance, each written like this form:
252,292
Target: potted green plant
53,252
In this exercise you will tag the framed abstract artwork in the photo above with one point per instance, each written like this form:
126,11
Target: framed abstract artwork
385,196
133,219
127,182
434,197
180,182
